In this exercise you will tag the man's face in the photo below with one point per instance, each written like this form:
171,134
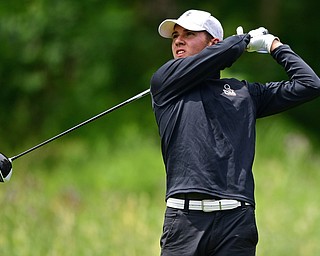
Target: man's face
187,43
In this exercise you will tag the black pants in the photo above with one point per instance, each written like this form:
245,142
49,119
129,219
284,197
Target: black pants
221,233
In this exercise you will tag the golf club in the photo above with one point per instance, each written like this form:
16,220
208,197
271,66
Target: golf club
6,163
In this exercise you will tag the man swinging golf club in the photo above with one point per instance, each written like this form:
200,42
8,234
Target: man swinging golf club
207,129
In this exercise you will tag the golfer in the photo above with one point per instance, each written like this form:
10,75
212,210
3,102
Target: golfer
207,129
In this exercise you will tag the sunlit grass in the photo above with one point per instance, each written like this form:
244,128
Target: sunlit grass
78,198
84,200
287,188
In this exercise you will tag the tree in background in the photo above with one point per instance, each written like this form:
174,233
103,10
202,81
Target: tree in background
66,60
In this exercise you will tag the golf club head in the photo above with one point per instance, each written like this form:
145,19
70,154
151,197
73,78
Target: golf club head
5,168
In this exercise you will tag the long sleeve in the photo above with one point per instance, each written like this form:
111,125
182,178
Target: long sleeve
303,85
177,76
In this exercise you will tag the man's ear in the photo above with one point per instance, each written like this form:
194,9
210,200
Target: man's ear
213,41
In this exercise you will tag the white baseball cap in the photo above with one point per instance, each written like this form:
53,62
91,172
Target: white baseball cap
193,20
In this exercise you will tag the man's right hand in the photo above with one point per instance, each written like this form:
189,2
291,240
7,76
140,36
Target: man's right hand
255,32
258,32
261,43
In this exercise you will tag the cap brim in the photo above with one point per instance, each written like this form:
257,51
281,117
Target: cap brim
166,27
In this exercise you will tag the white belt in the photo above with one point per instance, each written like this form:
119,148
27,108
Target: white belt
207,205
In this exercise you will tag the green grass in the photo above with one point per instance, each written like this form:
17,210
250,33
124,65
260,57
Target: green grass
287,188
78,198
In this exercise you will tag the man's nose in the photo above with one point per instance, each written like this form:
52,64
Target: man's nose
179,41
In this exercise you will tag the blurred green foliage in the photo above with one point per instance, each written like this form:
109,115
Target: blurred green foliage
64,61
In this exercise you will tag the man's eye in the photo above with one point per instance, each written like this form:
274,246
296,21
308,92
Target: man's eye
174,36
190,33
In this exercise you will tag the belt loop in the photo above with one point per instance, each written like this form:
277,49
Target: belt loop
186,203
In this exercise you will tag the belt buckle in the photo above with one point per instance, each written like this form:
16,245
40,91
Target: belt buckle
204,207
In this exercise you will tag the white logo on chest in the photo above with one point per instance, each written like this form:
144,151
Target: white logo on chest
228,91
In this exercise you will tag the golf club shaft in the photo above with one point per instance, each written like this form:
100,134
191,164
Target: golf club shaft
138,96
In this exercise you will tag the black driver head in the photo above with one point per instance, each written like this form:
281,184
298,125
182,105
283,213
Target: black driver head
5,168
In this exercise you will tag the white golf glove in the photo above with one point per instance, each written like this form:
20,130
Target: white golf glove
256,32
260,40
261,43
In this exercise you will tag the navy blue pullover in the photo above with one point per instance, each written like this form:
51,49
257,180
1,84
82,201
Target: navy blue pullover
207,124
